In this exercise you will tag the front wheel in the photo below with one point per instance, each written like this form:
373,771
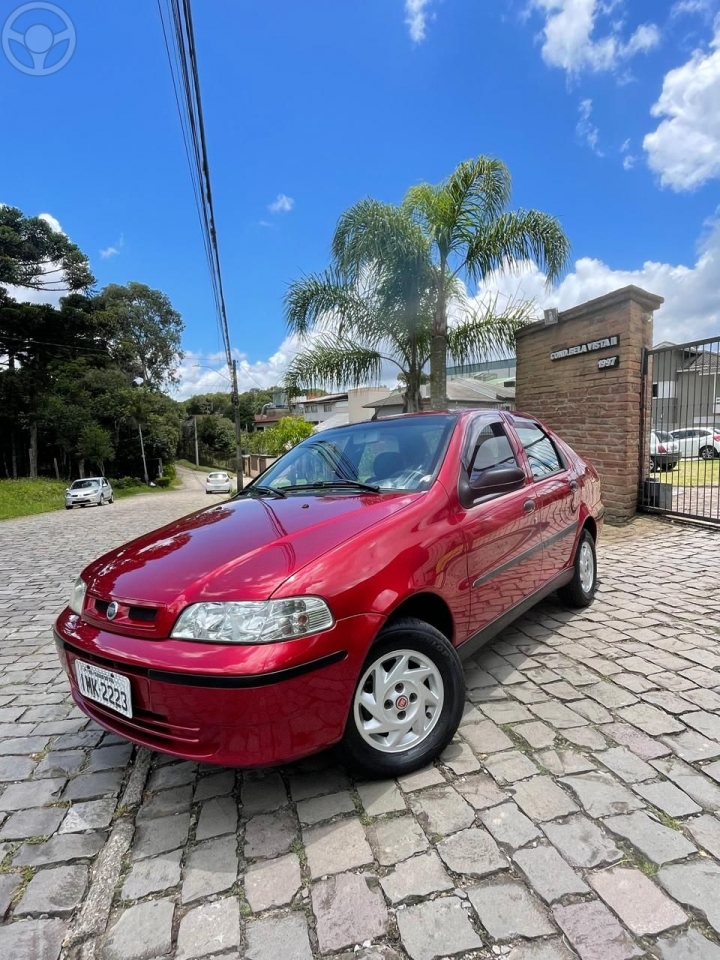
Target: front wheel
408,701
708,453
580,592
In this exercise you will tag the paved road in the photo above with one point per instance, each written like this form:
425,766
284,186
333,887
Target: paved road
574,816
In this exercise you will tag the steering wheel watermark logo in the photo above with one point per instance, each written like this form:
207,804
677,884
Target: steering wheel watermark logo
38,49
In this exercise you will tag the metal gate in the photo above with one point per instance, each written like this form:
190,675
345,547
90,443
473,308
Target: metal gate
680,442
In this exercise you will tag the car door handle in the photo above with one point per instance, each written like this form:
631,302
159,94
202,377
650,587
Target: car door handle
529,506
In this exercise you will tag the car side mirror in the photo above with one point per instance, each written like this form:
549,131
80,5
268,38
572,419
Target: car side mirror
493,483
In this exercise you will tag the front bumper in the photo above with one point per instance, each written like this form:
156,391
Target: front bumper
82,501
239,706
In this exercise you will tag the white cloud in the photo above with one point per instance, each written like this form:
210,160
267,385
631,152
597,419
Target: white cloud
578,35
689,7
281,204
113,251
586,129
195,377
52,222
692,293
416,18
629,161
685,148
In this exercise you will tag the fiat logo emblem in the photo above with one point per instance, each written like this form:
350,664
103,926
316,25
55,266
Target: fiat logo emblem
401,703
112,610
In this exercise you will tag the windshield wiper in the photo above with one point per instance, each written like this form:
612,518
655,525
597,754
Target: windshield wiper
264,491
334,484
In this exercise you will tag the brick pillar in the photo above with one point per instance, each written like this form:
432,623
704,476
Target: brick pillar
597,410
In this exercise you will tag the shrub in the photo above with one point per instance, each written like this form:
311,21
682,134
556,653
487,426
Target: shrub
169,471
163,481
125,483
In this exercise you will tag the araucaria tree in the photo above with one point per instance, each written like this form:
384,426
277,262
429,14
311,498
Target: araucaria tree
374,308
471,234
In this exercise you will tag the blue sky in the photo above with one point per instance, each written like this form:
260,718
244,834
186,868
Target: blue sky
607,113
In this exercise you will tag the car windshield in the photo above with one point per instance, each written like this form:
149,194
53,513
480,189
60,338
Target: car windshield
84,484
217,476
388,454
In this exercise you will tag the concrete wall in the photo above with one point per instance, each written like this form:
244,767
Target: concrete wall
359,397
597,411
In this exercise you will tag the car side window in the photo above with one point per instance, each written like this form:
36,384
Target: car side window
543,457
487,446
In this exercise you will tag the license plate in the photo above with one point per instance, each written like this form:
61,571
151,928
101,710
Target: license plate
104,686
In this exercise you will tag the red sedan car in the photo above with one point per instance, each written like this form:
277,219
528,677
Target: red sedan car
332,599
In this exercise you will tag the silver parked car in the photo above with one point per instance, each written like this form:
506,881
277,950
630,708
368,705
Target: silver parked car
218,482
92,491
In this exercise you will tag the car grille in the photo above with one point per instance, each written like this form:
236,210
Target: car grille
151,728
141,614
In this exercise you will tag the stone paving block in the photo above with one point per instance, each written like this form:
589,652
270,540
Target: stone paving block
702,698
706,831
396,839
270,834
558,715
693,746
349,909
9,883
658,843
592,711
322,808
480,791
688,945
507,910
152,876
639,903
582,842
107,758
471,852
272,937
418,877
33,940
93,785
595,933
536,733
211,867
441,810
141,932
159,836
668,798
486,737
670,702
509,767
509,826
602,796
529,693
563,763
166,803
31,793
41,822
542,799
214,785
59,849
437,928
610,695
690,780
643,746
541,950
172,775
23,746
303,786
90,815
60,763
210,929
218,816
702,677
548,874
695,885
585,737
427,777
264,795
380,797
506,712
460,758
626,765
272,883
336,847
651,720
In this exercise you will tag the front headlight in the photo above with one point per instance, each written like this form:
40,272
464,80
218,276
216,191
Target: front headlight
253,622
77,597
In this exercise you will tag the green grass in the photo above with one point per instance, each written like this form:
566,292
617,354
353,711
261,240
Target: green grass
22,498
692,473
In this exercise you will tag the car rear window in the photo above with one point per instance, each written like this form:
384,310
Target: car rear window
217,476
663,436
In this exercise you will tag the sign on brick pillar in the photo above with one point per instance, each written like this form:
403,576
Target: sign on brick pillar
582,375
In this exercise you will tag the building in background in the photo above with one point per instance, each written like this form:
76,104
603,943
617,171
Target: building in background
463,393
685,385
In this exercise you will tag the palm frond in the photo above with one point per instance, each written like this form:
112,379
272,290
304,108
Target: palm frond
513,239
322,299
376,236
488,331
333,363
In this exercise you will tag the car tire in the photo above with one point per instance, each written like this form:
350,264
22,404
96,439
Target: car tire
67,507
444,687
112,499
708,453
580,592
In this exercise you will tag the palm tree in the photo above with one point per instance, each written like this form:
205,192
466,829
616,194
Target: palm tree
471,234
375,306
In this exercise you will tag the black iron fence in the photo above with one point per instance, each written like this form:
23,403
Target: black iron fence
680,445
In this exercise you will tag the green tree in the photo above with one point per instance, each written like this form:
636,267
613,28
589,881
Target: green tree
36,257
218,434
471,235
374,308
95,445
278,439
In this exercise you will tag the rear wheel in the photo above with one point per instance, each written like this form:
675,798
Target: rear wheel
408,701
580,592
708,453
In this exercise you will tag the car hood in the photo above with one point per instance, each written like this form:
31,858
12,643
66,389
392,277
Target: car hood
239,550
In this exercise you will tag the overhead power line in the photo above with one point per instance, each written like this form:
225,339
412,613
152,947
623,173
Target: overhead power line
177,26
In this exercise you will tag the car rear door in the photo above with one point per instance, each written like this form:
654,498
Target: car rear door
555,486
502,536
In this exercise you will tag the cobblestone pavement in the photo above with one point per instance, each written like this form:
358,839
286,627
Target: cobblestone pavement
576,814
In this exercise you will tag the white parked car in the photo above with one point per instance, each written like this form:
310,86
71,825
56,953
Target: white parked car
91,491
219,482
697,442
664,451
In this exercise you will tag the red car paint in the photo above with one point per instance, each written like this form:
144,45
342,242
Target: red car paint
365,554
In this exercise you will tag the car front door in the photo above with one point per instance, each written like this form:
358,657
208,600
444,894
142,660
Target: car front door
502,536
555,487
